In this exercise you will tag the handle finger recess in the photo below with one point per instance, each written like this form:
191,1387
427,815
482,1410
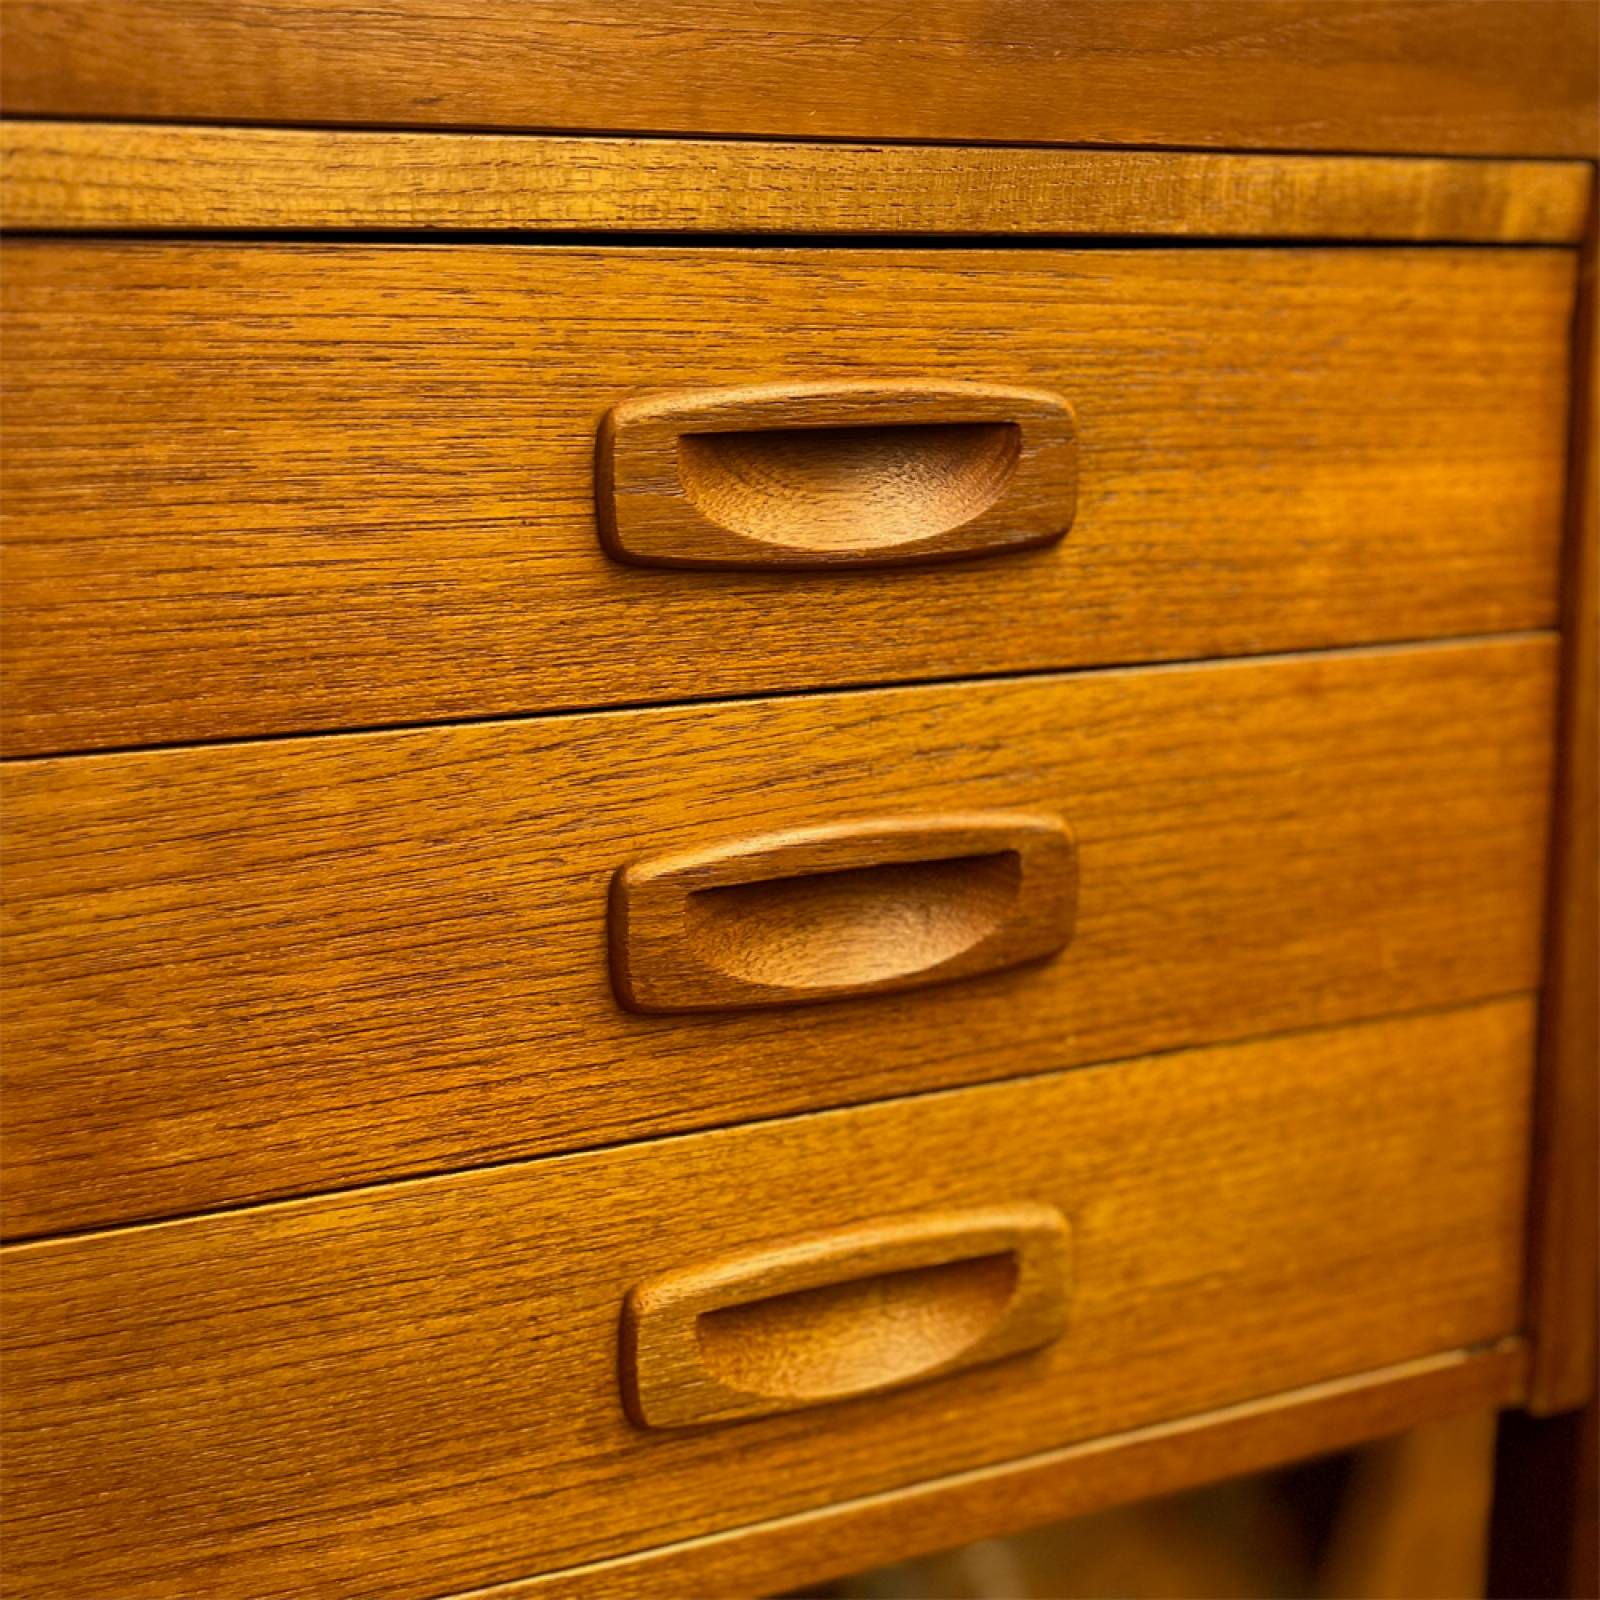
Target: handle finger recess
837,1315
853,908
860,473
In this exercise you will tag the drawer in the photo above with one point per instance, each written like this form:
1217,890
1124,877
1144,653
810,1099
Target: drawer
266,488
403,1391
271,967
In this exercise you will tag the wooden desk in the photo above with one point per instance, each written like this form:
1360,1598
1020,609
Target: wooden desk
776,796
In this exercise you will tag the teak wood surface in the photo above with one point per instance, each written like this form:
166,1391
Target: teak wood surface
71,175
267,488
1478,77
257,488
264,968
398,1391
835,1541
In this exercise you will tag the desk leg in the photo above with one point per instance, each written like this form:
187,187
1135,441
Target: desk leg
1415,1522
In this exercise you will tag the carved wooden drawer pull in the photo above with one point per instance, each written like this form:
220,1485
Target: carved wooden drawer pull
835,1315
849,908
843,474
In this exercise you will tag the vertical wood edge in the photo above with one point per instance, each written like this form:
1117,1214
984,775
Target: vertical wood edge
1564,1252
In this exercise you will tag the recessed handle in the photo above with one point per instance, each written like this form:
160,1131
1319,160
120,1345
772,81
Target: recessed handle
836,1315
851,908
858,473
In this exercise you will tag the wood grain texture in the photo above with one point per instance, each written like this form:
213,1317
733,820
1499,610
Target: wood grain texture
812,1547
852,908
1564,1262
1479,77
837,474
844,1314
259,488
395,1392
266,968
65,175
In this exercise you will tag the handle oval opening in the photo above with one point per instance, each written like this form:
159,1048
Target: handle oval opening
840,1315
844,908
849,1338
848,488
861,925
815,476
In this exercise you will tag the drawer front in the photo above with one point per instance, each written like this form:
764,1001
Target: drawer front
404,1391
277,487
262,969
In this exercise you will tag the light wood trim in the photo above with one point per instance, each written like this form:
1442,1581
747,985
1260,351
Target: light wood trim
282,965
335,485
852,908
810,1548
422,1377
64,175
1478,77
1564,1257
852,1312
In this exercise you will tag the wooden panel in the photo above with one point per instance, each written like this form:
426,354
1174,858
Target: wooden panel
269,967
269,488
396,1391
1564,1264
1481,77
140,175
989,1502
